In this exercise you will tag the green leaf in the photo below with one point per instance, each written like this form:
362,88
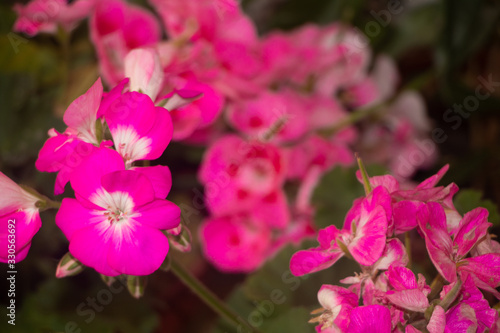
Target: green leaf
467,200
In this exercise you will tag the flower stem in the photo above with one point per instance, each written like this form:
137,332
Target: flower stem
208,297
364,174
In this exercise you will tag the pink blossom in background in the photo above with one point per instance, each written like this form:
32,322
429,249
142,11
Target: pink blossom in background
238,172
19,206
45,16
116,27
115,223
237,243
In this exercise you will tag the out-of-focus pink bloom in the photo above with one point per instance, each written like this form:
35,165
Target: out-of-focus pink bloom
235,243
363,235
139,129
206,19
45,15
449,255
255,117
236,172
19,220
62,152
115,223
143,68
402,142
200,112
337,303
371,318
317,151
117,27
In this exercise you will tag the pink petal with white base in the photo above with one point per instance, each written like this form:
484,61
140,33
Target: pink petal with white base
461,318
369,241
130,182
72,216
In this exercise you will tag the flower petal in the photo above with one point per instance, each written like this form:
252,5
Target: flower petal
313,260
159,214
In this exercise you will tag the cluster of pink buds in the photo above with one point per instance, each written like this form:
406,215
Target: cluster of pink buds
386,296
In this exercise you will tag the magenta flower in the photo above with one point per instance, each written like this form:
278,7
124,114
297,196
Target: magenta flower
235,243
116,27
45,16
363,236
407,292
17,209
139,129
62,152
115,223
450,255
238,174
337,304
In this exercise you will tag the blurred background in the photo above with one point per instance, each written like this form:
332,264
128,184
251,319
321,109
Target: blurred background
446,49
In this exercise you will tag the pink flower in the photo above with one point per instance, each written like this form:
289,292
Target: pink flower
117,27
337,303
62,152
45,15
139,129
235,243
237,173
363,236
450,255
254,117
407,293
115,223
18,212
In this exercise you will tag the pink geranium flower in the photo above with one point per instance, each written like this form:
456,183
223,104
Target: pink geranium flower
62,152
139,129
449,252
239,173
337,304
115,223
45,16
116,27
363,236
18,208
237,243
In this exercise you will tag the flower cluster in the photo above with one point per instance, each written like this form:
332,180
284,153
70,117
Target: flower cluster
386,296
291,97
118,220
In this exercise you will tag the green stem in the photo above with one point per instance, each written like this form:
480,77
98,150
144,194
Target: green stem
364,174
208,297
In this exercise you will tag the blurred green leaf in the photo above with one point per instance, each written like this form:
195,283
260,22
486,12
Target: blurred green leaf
467,200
